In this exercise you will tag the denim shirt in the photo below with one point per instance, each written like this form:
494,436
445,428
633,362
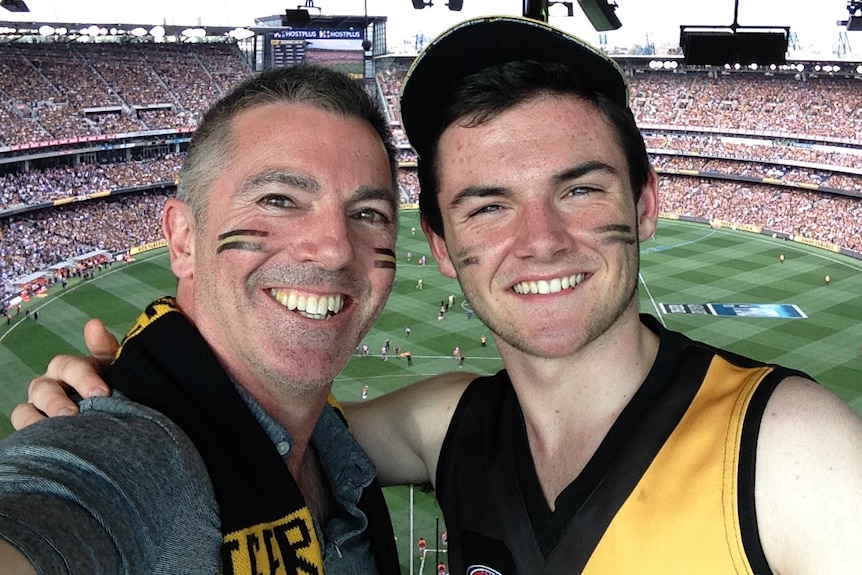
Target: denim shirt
346,547
138,495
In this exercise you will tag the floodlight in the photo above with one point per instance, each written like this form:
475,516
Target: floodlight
601,15
240,33
14,5
854,19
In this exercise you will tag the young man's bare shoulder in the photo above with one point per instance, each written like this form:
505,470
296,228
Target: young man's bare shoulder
809,464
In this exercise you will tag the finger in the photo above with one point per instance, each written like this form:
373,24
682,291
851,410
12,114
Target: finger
25,414
50,397
79,373
101,344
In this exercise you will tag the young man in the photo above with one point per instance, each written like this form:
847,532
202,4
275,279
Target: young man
218,456
608,444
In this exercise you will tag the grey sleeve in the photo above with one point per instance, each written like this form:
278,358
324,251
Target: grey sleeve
119,489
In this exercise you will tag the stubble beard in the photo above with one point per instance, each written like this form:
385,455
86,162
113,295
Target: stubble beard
599,322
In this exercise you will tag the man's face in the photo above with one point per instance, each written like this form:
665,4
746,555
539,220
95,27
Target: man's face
294,258
540,224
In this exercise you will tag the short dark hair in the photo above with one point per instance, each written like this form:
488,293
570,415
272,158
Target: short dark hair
323,88
482,96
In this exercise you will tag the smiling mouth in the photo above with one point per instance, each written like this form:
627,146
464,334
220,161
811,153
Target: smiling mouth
312,306
548,286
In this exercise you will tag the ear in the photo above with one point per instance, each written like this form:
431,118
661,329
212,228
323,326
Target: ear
647,207
438,250
178,226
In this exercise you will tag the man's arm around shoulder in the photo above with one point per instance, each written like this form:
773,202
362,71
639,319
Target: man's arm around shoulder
808,482
403,431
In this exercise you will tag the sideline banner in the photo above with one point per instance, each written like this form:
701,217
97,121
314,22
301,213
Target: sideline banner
147,247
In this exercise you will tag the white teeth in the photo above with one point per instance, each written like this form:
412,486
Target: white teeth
310,306
548,286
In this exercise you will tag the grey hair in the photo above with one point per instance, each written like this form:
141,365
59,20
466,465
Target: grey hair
326,89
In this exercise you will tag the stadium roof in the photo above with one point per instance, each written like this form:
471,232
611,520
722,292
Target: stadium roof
32,31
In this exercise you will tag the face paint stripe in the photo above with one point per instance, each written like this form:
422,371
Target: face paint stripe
235,233
618,233
239,245
384,258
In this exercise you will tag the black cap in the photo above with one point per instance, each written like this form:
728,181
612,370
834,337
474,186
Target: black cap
475,44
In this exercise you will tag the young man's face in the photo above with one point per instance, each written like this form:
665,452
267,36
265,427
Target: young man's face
295,257
540,224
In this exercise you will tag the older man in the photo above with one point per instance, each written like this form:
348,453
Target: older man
221,453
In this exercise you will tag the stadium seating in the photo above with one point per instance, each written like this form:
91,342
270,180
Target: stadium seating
777,151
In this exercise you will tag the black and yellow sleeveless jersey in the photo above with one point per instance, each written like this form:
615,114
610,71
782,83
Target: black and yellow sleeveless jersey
670,490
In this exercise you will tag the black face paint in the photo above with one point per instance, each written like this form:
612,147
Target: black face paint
468,261
384,258
618,233
239,240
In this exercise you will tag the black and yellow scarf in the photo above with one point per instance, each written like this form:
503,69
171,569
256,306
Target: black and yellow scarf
164,363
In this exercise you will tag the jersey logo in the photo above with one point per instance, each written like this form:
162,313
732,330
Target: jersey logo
482,570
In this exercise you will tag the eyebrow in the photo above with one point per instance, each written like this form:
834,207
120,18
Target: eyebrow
562,177
297,181
478,192
364,193
582,170
309,184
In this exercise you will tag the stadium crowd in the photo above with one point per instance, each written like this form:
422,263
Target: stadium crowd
48,237
68,90
61,91
42,186
825,217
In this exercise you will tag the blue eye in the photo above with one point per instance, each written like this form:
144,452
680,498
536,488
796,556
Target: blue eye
489,209
579,191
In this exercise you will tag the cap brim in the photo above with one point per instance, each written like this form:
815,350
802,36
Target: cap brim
475,44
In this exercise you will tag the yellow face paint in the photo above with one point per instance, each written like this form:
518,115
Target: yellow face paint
384,258
240,240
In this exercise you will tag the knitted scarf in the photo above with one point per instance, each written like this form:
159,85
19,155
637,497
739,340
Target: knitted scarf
164,363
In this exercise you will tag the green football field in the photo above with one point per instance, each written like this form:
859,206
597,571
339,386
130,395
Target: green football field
684,265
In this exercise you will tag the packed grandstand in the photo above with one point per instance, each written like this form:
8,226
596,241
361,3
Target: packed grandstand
93,137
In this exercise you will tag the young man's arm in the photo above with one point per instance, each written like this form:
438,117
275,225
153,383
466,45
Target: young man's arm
403,431
808,482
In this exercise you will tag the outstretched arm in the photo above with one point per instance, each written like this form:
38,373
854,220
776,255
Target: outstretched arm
403,431
48,393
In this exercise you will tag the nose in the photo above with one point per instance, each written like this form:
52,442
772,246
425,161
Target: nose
327,240
542,231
